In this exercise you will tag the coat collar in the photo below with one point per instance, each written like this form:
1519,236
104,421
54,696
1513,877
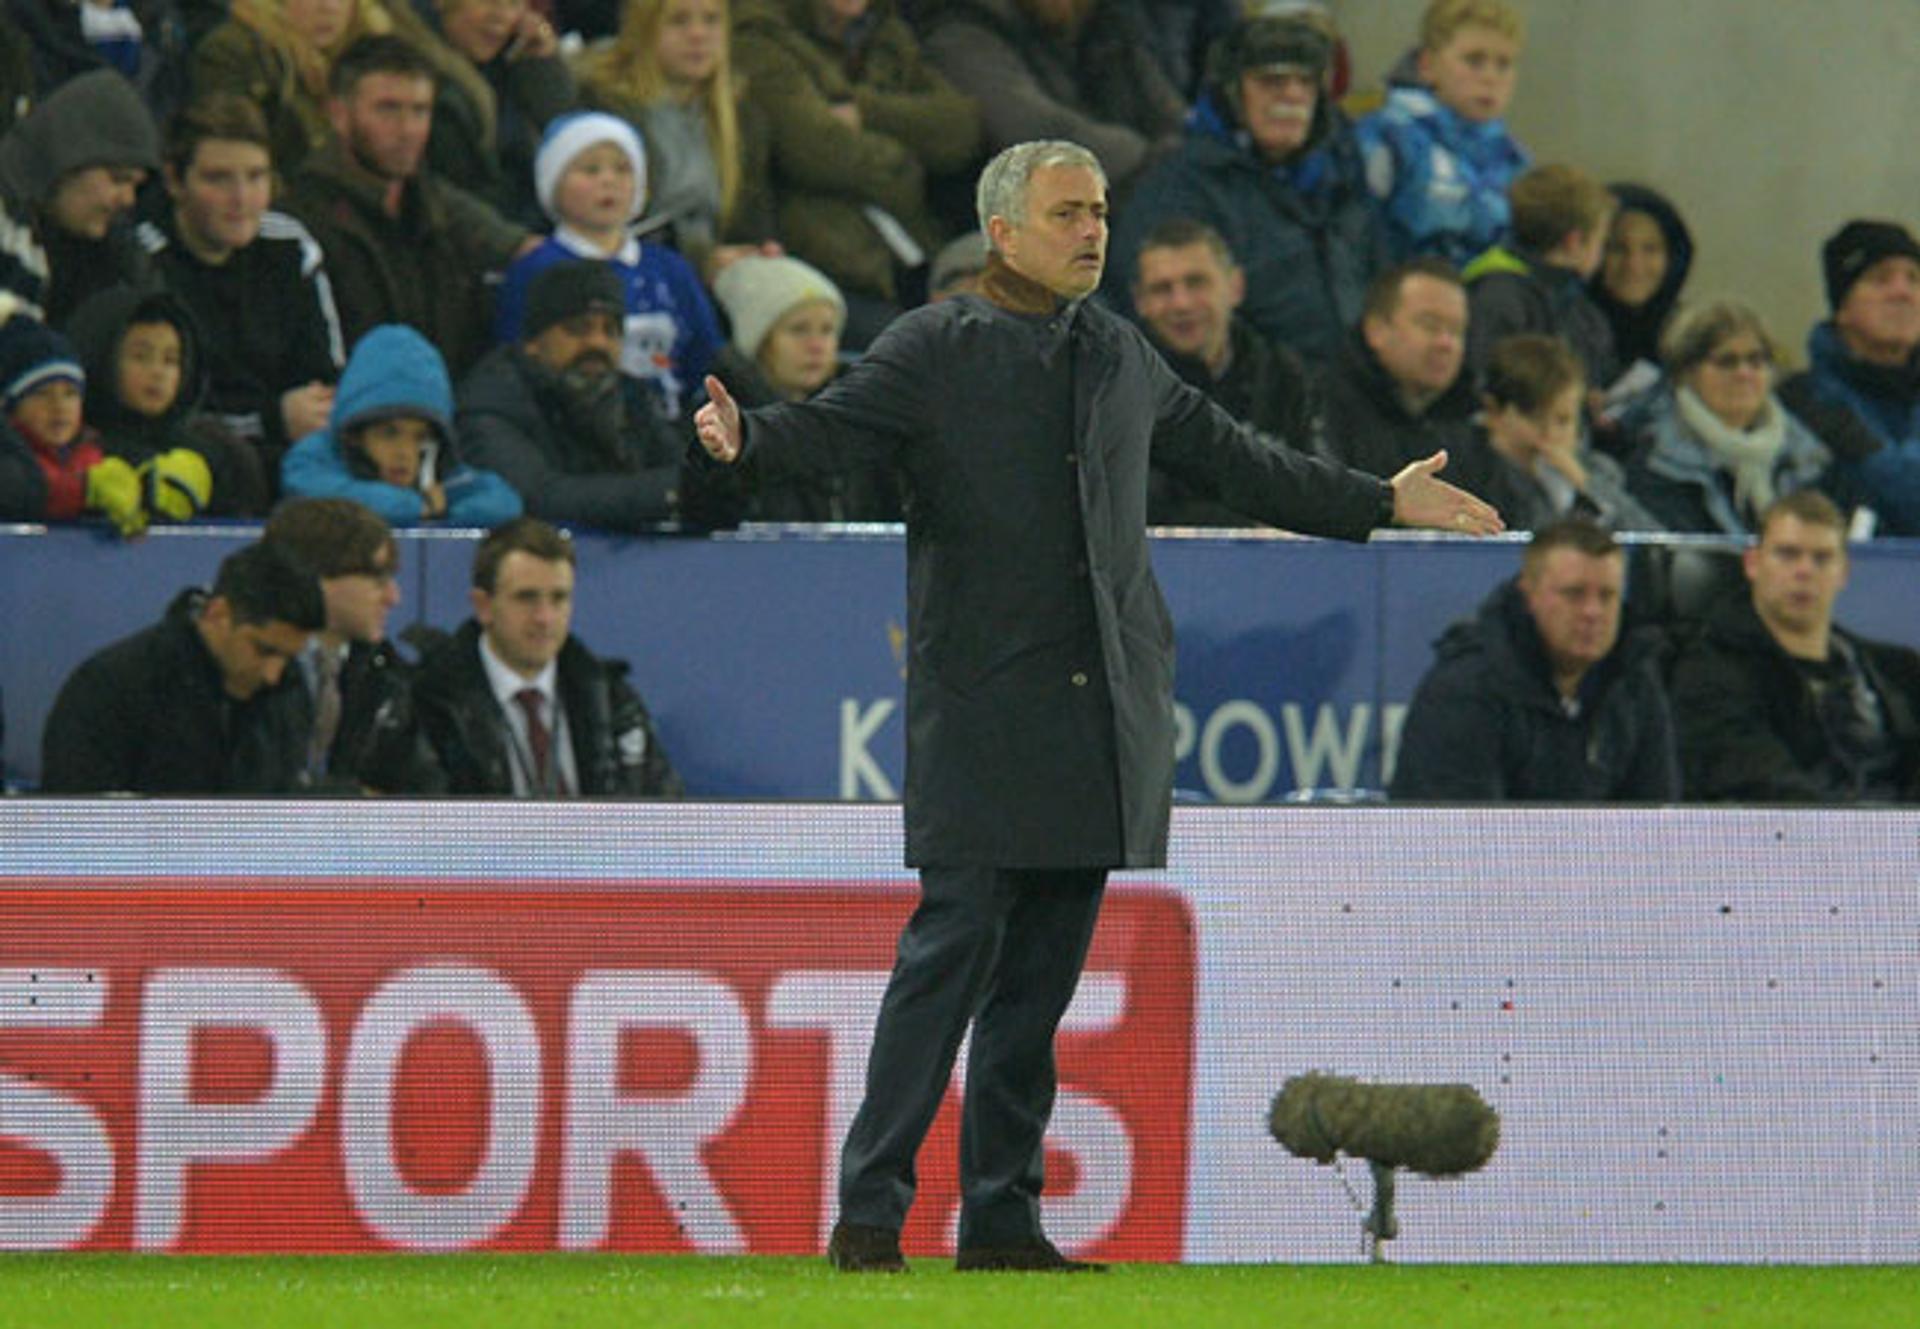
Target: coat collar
1006,289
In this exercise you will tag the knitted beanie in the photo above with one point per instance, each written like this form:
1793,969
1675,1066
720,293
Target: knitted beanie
1856,247
33,355
569,136
757,292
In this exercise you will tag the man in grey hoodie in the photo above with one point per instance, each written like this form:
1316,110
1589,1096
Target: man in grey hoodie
68,172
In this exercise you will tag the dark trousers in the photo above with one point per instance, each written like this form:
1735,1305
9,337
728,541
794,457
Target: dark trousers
1001,948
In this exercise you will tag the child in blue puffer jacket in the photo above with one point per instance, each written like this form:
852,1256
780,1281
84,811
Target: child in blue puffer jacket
389,441
1438,155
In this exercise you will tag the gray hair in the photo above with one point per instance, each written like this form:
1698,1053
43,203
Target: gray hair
1698,332
1003,182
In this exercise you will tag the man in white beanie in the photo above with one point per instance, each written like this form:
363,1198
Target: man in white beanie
591,176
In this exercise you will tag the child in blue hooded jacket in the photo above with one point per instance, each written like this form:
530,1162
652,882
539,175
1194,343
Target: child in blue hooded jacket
389,441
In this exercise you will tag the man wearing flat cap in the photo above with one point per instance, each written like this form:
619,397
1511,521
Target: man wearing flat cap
1270,163
1861,388
547,413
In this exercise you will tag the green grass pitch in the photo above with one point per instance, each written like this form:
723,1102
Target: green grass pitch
585,1292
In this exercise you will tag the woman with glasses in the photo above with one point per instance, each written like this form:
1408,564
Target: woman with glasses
1719,447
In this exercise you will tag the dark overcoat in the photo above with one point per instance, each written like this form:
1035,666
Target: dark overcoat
1040,730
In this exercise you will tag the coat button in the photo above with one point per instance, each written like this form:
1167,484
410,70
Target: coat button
1079,680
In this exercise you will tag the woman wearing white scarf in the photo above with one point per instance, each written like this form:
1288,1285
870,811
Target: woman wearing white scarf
1722,448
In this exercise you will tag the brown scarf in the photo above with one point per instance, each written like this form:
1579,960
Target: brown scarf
1017,294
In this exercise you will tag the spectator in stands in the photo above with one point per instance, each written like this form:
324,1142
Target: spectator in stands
1862,383
861,121
1648,254
390,442
787,317
145,380
355,698
16,77
255,280
668,72
1438,154
1539,697
487,127
1395,394
957,267
546,412
1536,282
592,179
1269,162
186,707
514,704
1541,466
68,172
58,470
141,40
1719,446
276,54
1073,69
1776,702
402,245
1186,289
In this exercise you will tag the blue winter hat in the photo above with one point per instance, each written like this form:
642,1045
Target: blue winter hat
33,355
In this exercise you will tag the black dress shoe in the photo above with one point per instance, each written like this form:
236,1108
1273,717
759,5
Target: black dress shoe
857,1248
1035,1256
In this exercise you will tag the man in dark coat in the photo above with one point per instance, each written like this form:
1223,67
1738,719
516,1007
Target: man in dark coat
1395,392
547,413
514,705
355,699
1040,731
190,706
1776,702
1538,698
1186,290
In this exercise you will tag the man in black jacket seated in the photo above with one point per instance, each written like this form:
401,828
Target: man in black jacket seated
515,705
356,696
1538,697
1778,704
1186,287
189,706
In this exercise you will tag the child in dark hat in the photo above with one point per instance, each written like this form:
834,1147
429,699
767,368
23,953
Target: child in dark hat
41,387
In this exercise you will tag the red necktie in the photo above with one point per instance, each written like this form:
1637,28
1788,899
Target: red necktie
539,738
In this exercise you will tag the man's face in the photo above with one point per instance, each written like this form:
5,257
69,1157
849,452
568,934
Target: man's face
219,200
358,602
1062,243
1187,297
384,120
85,202
1797,571
1474,73
1421,345
586,344
1575,602
1881,313
251,656
529,612
1277,106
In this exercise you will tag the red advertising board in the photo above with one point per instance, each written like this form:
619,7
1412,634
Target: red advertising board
317,1066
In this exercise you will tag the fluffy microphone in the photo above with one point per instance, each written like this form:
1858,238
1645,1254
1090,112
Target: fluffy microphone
1443,1130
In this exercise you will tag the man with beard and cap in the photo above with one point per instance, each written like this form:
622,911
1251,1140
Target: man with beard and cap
68,173
546,412
1270,163
401,244
1040,718
1861,389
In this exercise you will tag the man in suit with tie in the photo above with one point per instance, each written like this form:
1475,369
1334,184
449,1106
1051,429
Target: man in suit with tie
514,704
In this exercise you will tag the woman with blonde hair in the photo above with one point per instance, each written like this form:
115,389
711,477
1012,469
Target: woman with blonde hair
276,53
669,72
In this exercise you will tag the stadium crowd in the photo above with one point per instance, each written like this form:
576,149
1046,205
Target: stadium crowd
356,264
